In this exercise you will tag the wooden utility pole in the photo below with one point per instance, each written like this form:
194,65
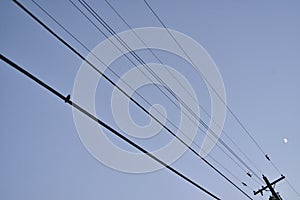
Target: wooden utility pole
275,195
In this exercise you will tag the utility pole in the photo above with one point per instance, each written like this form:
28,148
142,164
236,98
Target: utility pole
275,195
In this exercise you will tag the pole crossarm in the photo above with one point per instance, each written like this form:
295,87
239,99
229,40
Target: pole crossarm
270,187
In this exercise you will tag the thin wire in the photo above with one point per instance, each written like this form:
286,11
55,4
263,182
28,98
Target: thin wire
209,84
124,44
86,48
225,104
120,78
123,92
114,72
113,33
287,181
227,107
293,188
159,60
224,168
103,124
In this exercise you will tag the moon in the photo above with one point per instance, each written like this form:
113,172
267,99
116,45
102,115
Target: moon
285,140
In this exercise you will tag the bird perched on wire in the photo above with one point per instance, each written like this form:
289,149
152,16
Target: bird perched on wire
67,99
249,174
267,157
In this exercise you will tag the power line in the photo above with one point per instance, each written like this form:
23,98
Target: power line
222,100
287,181
143,63
293,188
103,124
86,48
140,60
160,61
118,76
123,92
227,107
128,84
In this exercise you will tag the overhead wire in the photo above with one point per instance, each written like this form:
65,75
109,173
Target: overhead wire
113,33
222,100
160,61
286,180
173,124
120,78
103,124
86,48
123,92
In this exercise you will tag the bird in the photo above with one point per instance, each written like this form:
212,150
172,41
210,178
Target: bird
249,174
67,99
267,157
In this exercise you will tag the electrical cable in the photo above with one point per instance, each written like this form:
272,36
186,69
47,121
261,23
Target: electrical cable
103,124
125,82
88,50
202,108
113,33
123,92
222,100
225,104
160,61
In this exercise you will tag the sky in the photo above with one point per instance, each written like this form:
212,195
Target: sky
255,46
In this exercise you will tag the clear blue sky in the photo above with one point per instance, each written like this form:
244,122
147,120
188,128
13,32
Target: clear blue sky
255,45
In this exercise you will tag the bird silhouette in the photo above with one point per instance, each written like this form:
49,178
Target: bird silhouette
67,99
267,157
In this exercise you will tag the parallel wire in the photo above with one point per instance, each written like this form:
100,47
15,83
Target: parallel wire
103,124
113,33
209,84
160,61
123,92
221,99
120,78
293,188
225,104
286,180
